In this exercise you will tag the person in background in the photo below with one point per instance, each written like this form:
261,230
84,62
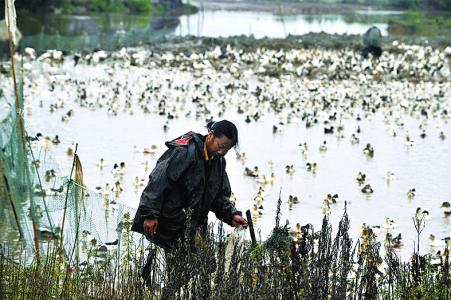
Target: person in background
372,42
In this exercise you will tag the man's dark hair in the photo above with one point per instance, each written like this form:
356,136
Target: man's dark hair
226,128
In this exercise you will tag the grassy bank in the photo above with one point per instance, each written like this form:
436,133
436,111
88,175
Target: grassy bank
300,264
421,24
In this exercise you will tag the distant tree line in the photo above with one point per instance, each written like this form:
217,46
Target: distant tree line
36,5
407,4
402,4
67,6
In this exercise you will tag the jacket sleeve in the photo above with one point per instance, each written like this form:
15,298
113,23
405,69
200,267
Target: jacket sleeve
221,206
165,174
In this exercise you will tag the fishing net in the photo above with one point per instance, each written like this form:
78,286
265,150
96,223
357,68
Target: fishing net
15,180
112,40
39,205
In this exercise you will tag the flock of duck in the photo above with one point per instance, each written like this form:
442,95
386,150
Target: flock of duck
307,87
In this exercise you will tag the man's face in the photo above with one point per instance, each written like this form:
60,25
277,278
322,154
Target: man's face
218,147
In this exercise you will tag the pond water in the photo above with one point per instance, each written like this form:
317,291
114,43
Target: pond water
264,24
425,166
100,134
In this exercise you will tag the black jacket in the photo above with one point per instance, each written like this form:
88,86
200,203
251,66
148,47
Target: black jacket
183,181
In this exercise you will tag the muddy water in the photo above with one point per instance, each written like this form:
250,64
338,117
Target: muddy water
425,166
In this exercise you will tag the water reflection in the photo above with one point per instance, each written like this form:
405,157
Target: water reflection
99,40
81,25
263,24
168,22
112,31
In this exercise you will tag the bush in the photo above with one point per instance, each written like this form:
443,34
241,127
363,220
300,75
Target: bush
106,5
314,265
405,4
141,6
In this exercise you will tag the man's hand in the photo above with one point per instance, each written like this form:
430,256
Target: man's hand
238,220
151,226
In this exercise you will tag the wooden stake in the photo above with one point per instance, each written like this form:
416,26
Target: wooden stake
251,227
67,195
16,90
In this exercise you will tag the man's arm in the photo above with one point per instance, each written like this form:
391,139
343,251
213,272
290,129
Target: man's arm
224,209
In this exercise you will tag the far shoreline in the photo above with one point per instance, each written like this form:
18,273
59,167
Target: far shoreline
294,8
194,44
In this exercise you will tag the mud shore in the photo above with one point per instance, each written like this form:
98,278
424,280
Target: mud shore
311,40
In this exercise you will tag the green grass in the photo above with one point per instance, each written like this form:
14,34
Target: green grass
422,24
107,5
134,6
318,265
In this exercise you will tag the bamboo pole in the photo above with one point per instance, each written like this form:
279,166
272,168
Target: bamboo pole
42,189
16,91
283,18
11,199
67,195
20,120
64,216
79,198
3,190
